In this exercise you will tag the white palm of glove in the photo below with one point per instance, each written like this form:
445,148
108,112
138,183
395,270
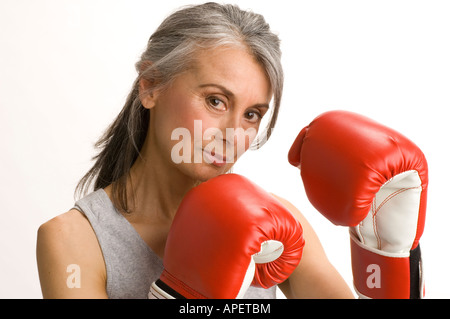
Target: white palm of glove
390,227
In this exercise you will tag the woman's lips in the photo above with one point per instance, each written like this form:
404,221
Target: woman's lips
215,159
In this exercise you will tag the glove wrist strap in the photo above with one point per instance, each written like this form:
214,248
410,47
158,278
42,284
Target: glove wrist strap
381,275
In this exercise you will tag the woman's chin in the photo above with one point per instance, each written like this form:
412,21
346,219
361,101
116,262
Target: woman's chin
205,171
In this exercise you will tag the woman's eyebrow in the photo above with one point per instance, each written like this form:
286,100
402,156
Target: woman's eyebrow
261,105
230,94
220,87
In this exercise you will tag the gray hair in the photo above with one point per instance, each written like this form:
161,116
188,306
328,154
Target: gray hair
170,51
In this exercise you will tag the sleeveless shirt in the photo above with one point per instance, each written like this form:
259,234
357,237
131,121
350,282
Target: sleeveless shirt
131,265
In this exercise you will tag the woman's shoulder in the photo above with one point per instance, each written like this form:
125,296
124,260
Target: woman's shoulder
291,207
70,224
66,236
65,241
69,234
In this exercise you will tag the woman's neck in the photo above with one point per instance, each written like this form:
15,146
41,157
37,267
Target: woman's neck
156,187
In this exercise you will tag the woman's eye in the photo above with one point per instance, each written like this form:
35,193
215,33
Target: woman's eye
216,103
253,116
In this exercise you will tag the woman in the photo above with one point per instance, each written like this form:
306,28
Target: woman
207,68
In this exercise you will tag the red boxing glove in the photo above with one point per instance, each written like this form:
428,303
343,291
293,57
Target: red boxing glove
222,228
359,173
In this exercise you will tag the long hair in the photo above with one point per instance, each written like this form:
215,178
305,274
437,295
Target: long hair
170,51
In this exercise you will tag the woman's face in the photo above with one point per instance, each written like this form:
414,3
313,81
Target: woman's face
211,113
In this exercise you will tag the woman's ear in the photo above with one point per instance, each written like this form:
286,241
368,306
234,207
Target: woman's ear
147,85
147,93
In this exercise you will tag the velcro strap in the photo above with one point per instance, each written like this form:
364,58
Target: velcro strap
379,275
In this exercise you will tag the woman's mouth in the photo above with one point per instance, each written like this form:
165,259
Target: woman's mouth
218,160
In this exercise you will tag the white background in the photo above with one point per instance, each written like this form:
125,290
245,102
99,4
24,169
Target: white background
66,68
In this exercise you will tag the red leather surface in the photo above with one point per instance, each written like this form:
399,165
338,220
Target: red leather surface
219,225
345,158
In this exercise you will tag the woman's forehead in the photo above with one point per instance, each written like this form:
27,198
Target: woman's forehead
233,68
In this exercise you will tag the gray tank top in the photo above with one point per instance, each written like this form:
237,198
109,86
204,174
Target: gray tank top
131,265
